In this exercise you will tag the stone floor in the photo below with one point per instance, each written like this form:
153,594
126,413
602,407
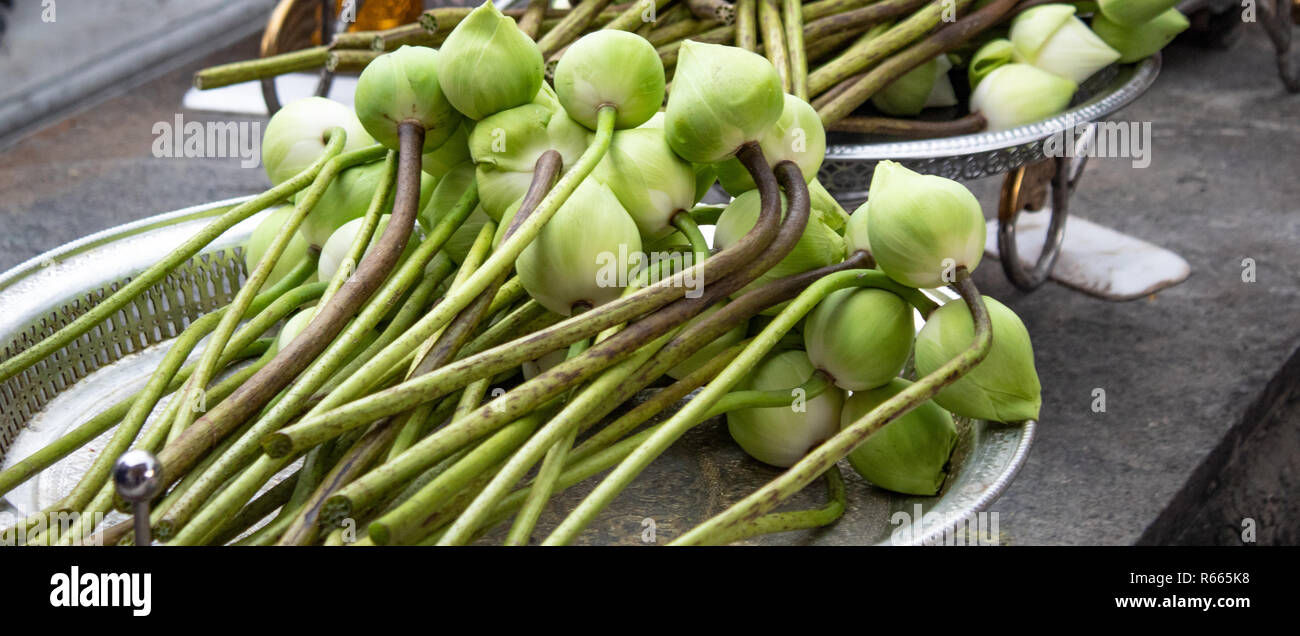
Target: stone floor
1201,426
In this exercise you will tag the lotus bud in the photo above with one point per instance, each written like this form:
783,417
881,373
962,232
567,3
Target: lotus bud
993,55
722,97
348,197
488,65
782,435
340,243
711,350
445,196
534,368
922,227
926,86
648,178
583,255
818,247
860,337
610,67
1133,12
293,327
798,136
505,148
908,455
1018,94
294,253
1004,386
1050,37
855,232
450,154
400,86
297,133
1143,40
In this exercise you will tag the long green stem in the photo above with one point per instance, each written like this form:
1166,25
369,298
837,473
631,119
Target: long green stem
747,24
571,26
867,53
820,459
636,15
836,500
792,17
774,47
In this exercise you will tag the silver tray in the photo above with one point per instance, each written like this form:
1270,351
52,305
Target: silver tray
695,479
851,158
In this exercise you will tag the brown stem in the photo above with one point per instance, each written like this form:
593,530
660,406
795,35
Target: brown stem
374,268
944,40
718,10
911,128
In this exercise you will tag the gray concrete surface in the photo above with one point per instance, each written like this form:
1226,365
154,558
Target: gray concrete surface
1187,372
58,55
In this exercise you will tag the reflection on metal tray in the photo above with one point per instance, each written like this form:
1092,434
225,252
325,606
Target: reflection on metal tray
697,478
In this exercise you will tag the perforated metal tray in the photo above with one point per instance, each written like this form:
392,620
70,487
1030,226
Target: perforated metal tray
696,479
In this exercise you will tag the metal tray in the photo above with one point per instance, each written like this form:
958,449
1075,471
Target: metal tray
851,158
696,479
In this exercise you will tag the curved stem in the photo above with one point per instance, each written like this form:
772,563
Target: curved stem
836,500
686,224
820,459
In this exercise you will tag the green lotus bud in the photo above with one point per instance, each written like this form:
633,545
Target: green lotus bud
1050,37
711,350
1133,12
450,154
445,196
926,86
991,56
1004,386
1018,94
610,67
296,135
400,86
488,65
1143,40
293,328
782,435
908,455
258,242
922,227
505,148
722,97
583,254
818,247
855,232
860,337
348,197
648,178
336,248
796,136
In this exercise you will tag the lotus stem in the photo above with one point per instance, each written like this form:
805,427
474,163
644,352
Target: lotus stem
571,26
531,21
792,17
746,23
911,128
867,53
716,10
769,22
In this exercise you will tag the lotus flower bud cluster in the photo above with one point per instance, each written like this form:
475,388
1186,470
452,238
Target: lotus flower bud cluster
818,247
298,132
782,435
610,68
1136,41
1018,94
261,238
923,227
722,97
403,86
448,191
1004,387
1133,13
340,242
926,86
348,197
648,178
908,455
505,148
797,136
861,338
583,255
488,65
1053,39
